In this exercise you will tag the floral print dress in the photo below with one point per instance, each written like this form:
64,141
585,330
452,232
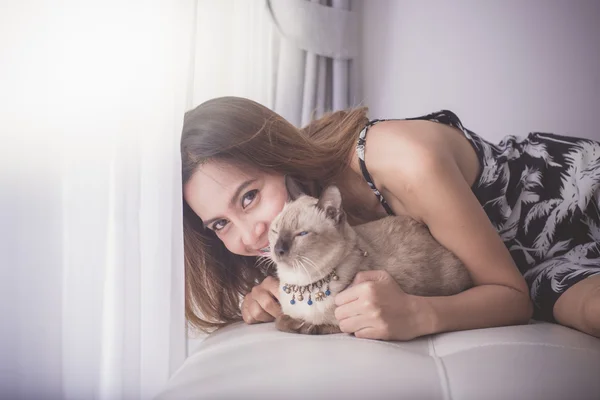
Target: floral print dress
542,194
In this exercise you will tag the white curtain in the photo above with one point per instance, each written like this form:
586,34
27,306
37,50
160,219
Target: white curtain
234,51
233,55
319,39
92,100
91,107
293,56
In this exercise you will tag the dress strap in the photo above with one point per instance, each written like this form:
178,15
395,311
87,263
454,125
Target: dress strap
360,149
446,117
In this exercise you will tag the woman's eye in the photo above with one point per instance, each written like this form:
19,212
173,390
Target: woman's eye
218,225
303,233
250,196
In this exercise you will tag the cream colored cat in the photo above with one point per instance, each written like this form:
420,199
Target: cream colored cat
318,253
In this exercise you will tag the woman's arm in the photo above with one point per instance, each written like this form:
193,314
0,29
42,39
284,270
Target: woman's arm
482,306
375,307
426,180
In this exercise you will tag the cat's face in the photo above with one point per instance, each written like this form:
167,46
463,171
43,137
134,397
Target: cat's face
307,230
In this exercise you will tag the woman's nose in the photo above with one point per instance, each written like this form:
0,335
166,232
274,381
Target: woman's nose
253,234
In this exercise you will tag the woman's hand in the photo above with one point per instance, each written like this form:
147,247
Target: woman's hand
374,307
262,303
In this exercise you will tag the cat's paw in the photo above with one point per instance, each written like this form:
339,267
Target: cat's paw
323,329
285,323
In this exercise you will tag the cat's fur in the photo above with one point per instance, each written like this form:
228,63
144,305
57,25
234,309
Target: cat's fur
400,245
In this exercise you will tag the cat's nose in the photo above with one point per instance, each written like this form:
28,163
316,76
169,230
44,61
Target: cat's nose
281,247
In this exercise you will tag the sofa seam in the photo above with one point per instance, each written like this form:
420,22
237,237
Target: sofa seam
440,369
560,346
373,342
431,346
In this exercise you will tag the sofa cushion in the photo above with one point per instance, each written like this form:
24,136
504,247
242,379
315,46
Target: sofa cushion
535,361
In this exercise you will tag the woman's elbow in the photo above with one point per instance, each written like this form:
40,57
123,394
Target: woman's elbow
523,309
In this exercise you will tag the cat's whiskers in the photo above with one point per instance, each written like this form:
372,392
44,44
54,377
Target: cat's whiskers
265,260
270,264
261,260
311,264
296,264
310,278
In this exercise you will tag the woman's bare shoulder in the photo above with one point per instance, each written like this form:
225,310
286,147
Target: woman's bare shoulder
417,169
400,153
404,149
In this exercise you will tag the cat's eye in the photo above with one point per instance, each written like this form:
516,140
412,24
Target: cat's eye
303,233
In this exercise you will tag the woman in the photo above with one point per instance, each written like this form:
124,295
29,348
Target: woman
523,216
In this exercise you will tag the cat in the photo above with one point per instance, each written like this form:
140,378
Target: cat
317,254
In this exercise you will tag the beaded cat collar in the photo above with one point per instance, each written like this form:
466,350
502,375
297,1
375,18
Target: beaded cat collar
298,292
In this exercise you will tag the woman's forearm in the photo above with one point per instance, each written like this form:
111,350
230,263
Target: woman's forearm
479,307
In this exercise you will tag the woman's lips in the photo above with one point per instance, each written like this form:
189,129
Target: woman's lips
265,251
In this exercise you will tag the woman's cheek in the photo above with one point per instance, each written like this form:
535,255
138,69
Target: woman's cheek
278,203
229,244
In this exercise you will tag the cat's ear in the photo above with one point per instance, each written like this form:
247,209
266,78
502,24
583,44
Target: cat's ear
331,202
293,189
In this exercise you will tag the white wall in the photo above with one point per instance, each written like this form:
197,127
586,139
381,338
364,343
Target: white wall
505,67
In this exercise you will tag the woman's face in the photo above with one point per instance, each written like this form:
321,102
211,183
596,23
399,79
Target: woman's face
237,204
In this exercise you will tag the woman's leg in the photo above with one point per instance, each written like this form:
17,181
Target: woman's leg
566,289
579,306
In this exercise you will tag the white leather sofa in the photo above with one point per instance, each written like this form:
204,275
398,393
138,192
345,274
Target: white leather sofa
536,361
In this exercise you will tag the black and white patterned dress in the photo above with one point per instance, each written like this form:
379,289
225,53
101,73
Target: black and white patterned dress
542,194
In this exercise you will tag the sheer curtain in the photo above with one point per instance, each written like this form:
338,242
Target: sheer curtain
93,96
91,109
318,42
234,51
233,55
294,56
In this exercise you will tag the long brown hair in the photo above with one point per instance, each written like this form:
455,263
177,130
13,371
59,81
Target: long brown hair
245,133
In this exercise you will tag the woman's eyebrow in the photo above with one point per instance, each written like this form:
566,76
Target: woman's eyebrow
236,194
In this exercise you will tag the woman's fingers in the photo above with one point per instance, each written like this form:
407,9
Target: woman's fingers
367,333
271,284
252,312
268,303
364,285
347,310
245,310
353,324
261,304
347,295
259,314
